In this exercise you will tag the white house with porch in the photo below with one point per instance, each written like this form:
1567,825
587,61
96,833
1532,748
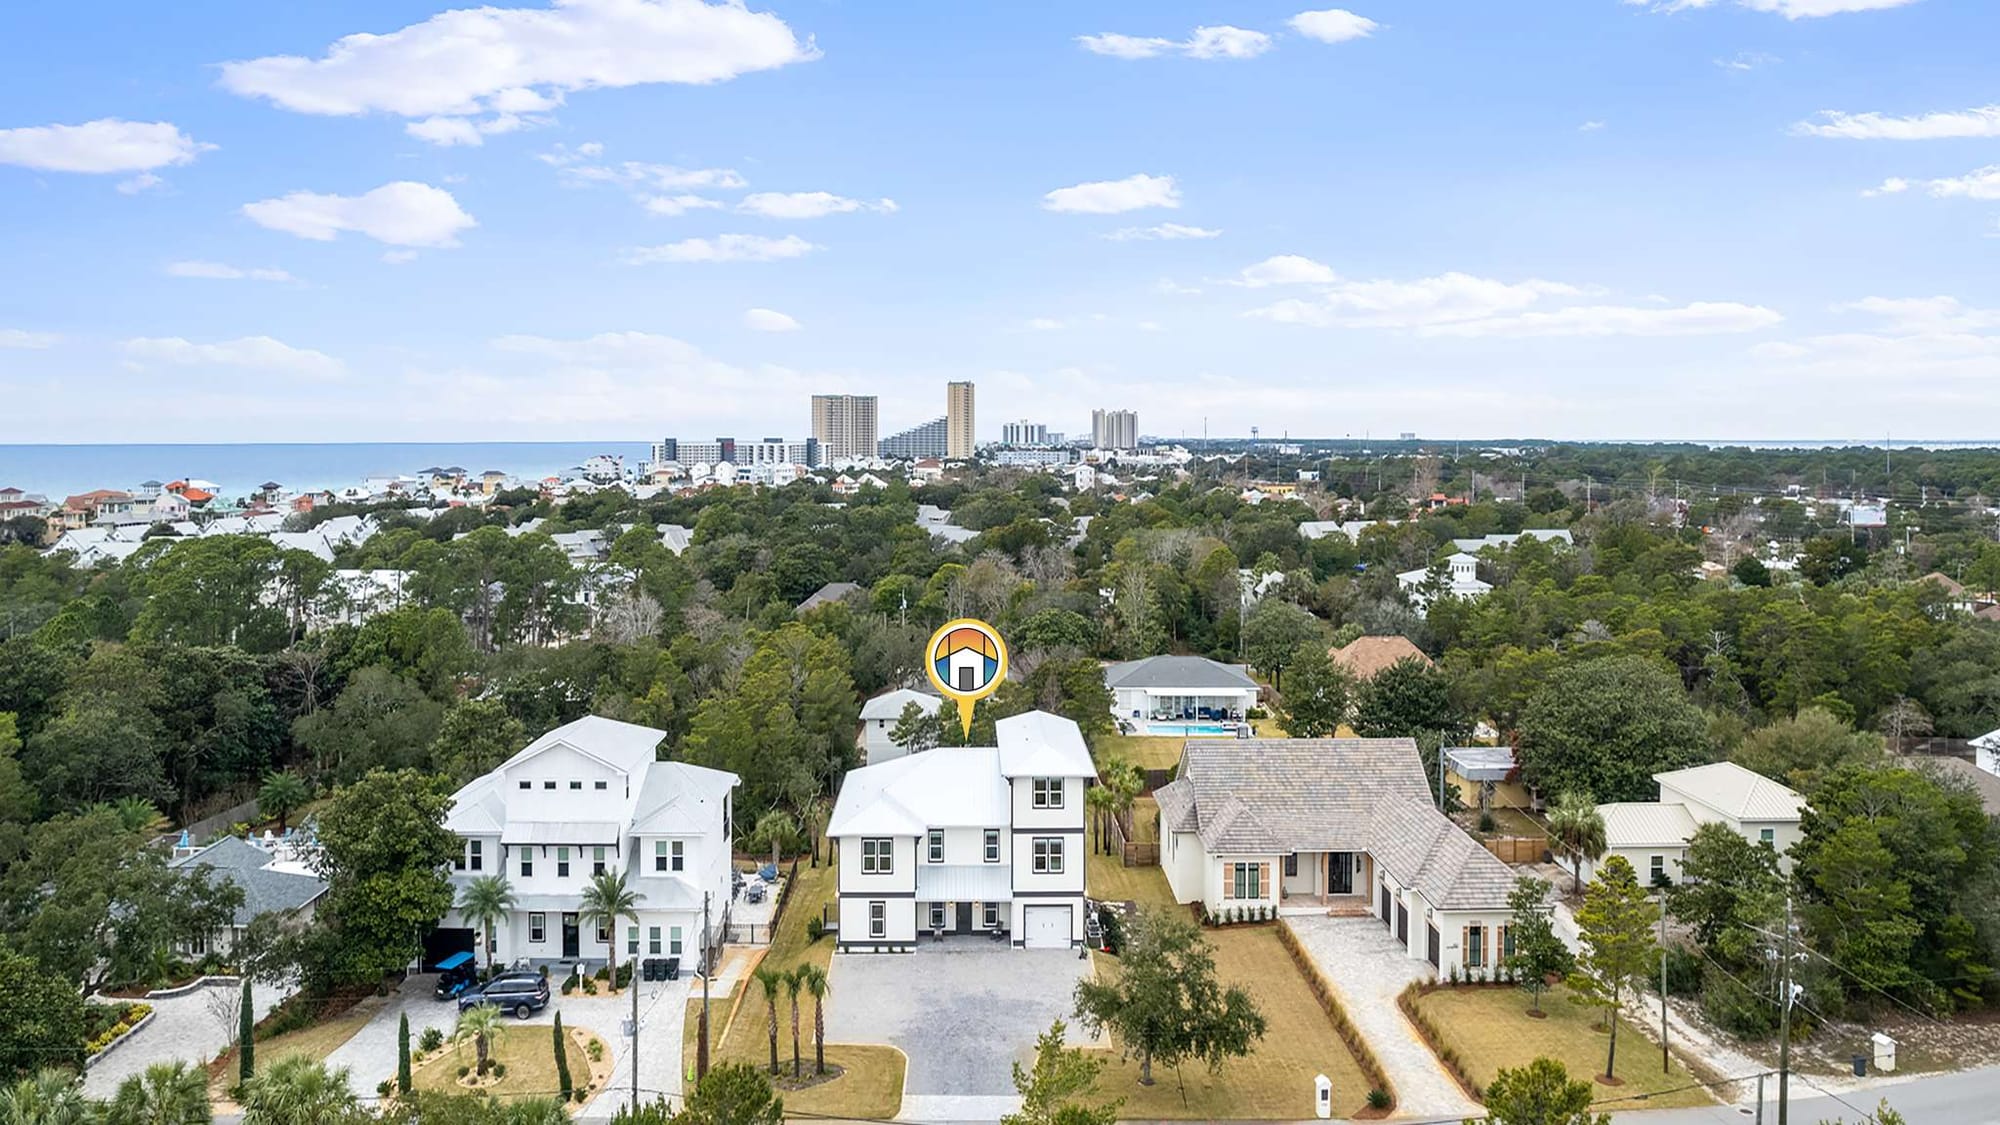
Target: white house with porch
1180,695
588,797
1333,825
1653,835
964,841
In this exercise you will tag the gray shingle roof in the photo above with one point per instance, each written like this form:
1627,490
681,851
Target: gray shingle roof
1275,796
1176,672
235,860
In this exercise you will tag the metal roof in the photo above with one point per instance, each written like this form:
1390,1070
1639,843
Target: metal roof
889,705
1733,791
964,882
1481,763
1645,824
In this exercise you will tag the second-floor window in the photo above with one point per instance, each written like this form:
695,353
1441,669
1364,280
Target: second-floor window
659,855
597,861
935,843
878,857
679,851
527,864
993,845
631,942
1048,855
562,863
1047,792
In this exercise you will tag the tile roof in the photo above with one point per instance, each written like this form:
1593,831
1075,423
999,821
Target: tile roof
1734,791
1261,796
1177,672
1363,657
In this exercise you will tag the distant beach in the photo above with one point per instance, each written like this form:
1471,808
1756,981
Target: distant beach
63,470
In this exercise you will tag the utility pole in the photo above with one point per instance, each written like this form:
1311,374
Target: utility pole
1666,1066
1785,1020
635,1022
707,970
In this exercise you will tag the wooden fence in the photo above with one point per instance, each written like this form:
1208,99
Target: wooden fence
1517,849
1134,854
1154,780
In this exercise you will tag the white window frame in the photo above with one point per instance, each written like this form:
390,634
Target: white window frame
1656,868
992,915
562,863
1046,792
632,941
674,941
659,855
878,855
475,855
1767,836
653,941
603,933
937,916
527,863
1046,856
878,919
597,861
992,845
538,927
678,851
934,845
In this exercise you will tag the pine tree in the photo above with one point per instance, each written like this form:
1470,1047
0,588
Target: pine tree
403,1055
563,1080
1616,928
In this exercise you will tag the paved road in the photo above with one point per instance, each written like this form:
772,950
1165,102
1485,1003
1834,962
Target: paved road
1367,968
183,1027
978,1011
1968,1098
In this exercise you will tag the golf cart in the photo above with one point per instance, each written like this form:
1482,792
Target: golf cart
456,974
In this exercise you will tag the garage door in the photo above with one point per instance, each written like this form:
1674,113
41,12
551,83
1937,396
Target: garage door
1047,927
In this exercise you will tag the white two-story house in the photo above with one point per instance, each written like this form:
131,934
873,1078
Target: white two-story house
967,840
587,797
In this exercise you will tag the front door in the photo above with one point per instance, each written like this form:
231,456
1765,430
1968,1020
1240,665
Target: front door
571,940
1340,873
964,919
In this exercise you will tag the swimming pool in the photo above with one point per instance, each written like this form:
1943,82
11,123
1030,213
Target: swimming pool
1188,729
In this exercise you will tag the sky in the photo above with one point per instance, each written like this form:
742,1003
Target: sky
230,220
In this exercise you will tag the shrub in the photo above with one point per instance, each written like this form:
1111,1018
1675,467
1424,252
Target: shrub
624,976
1114,931
1255,713
590,986
815,929
1683,971
499,1069
383,1087
1486,820
602,974
431,1039
464,1070
1378,1098
595,1049
568,985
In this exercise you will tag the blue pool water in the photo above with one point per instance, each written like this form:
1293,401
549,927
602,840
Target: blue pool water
1188,728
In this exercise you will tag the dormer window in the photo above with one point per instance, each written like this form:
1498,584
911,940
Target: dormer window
1047,792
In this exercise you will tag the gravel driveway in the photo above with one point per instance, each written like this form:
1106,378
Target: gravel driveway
1367,968
962,1011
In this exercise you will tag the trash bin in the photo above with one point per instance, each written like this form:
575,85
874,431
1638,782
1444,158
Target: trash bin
673,968
1861,1066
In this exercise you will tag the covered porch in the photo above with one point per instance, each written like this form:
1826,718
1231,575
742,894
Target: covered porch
1325,882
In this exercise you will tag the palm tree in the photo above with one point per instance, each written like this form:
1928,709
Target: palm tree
283,794
773,981
480,1023
485,902
817,984
795,982
137,814
536,1111
1579,827
168,1093
298,1089
605,901
51,1097
1099,800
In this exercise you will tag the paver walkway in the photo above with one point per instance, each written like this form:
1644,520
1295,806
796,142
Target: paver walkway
1368,969
186,1027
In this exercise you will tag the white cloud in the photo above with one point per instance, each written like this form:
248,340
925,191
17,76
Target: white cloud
1790,9
769,320
220,271
1168,232
255,353
1922,339
1333,25
31,341
506,62
1285,269
1925,315
577,167
1218,42
808,204
403,213
1590,127
671,205
1174,288
143,182
1046,324
1112,197
1747,60
721,248
1701,318
104,146
1981,184
1981,122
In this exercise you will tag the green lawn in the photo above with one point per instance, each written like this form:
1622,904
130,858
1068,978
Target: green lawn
529,1052
1144,751
1490,1028
872,1085
1275,1081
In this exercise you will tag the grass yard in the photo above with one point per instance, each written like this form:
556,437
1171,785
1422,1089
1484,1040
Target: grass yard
1275,1081
1490,1028
1144,751
1109,880
316,1041
527,1049
872,1085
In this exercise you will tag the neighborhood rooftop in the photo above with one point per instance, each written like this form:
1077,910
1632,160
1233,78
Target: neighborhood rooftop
1176,672
1741,793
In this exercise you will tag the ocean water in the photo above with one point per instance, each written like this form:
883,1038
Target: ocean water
64,470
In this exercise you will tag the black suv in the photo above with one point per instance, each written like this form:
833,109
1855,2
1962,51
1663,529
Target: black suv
520,993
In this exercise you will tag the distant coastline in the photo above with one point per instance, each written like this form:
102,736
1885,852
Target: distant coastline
63,470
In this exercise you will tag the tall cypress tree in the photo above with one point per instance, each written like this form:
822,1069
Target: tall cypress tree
246,1042
563,1080
403,1055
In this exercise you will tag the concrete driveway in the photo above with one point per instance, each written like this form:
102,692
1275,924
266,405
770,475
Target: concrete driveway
188,1027
1367,968
962,1011
370,1055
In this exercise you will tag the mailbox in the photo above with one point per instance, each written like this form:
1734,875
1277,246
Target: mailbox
1323,1096
1885,1052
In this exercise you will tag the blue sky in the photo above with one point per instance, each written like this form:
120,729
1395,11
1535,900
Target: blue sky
226,220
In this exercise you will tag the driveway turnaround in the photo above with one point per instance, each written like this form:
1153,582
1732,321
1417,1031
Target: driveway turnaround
1367,969
962,1011
189,1027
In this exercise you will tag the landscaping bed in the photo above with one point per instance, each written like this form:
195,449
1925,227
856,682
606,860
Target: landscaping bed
526,1065
1476,1030
104,1023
